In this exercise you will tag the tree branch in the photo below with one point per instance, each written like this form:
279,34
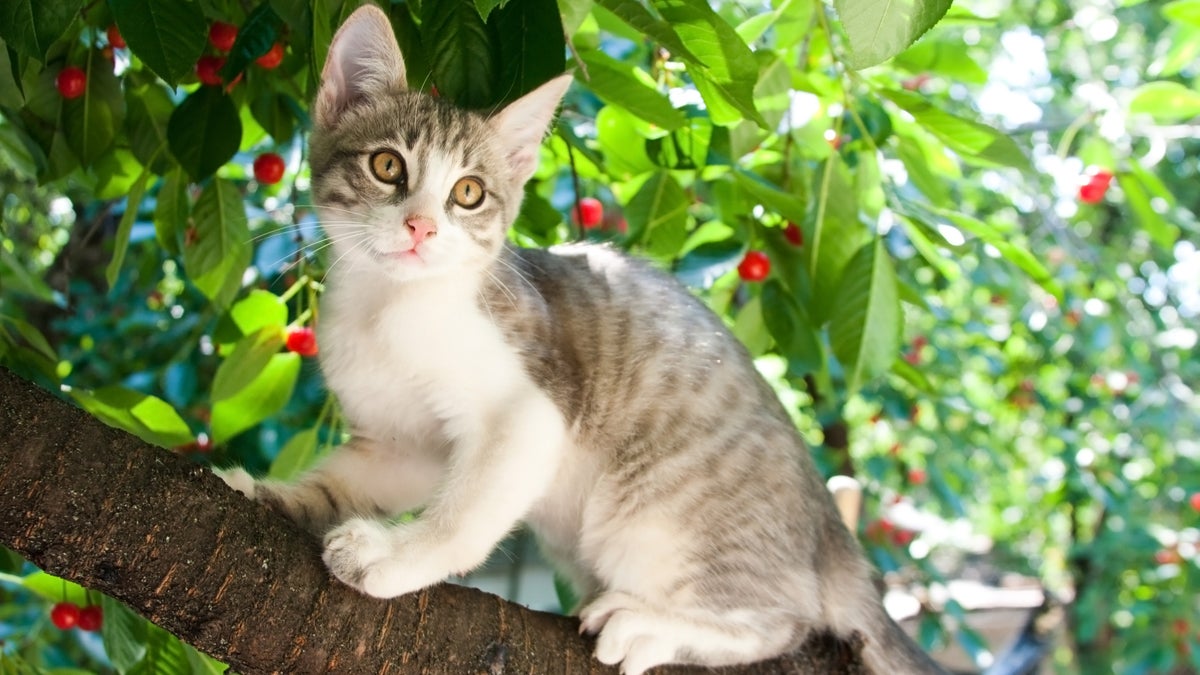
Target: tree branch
241,583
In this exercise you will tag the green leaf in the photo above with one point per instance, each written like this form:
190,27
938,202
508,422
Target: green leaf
221,250
703,265
148,417
880,30
55,589
31,26
1163,233
727,66
913,375
165,655
750,329
461,61
10,89
574,13
1002,242
942,57
529,47
657,215
263,397
124,634
149,109
864,332
121,242
167,36
756,26
204,132
257,34
1165,102
1185,12
258,310
295,456
485,7
276,113
772,94
91,121
171,211
918,160
623,144
835,239
787,205
794,332
248,358
636,16
623,84
974,141
221,228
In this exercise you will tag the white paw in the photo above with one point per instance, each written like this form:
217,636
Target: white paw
238,479
357,552
630,634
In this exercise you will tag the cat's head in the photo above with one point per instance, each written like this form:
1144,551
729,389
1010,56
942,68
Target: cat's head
406,184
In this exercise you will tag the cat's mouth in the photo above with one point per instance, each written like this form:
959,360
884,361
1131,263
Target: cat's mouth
406,256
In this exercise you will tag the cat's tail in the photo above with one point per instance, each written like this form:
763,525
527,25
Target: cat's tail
853,605
888,650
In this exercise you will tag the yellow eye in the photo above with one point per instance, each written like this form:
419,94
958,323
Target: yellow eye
467,193
388,167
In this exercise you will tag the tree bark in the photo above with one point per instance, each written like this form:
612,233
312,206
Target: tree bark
100,507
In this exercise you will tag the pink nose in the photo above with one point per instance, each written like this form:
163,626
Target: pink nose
420,228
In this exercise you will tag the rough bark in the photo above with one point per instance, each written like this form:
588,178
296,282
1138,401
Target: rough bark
100,507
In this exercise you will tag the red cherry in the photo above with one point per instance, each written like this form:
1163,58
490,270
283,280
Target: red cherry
1167,556
917,476
1092,193
903,537
71,82
272,58
1100,176
64,615
589,213
268,168
755,266
91,618
302,341
1194,500
114,37
208,69
222,35
793,234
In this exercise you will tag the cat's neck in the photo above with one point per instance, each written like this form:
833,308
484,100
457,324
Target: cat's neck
461,286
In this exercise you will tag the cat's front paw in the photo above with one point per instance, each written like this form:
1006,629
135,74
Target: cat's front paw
629,634
238,479
359,552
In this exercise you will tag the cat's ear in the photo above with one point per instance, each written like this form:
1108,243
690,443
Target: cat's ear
522,125
363,61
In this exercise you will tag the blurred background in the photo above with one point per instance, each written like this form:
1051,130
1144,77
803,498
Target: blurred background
970,271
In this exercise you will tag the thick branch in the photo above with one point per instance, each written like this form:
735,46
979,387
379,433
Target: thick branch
102,508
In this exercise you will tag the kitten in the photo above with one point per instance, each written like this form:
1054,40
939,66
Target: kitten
575,389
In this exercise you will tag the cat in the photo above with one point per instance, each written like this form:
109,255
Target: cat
575,389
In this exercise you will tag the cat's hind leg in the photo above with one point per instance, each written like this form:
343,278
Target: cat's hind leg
359,478
640,636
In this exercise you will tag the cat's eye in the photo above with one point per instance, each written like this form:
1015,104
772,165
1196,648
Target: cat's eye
467,193
387,166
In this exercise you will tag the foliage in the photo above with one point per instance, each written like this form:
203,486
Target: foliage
1004,356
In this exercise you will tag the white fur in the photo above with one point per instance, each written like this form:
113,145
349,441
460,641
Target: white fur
433,378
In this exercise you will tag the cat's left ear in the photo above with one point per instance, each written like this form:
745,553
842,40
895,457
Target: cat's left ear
522,125
363,62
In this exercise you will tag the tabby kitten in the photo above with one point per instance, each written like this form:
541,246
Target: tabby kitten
575,389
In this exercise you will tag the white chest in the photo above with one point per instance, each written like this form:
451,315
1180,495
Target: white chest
416,365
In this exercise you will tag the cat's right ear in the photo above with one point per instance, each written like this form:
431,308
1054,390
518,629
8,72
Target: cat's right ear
363,61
